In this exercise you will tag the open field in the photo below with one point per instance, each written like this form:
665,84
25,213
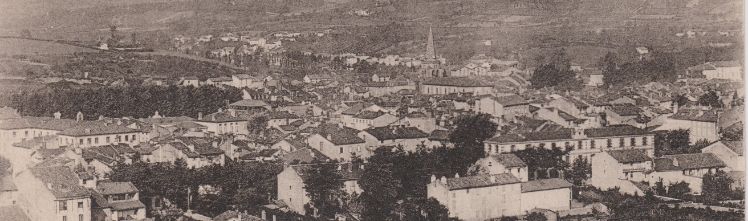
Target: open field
15,46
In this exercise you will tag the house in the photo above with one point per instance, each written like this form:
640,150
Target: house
245,80
580,142
730,152
338,142
224,122
195,151
103,158
505,107
368,119
621,113
96,133
549,194
304,155
377,89
189,81
235,215
53,193
410,138
317,78
291,189
418,120
561,118
250,105
477,198
618,168
504,163
726,70
119,201
702,124
447,85
689,168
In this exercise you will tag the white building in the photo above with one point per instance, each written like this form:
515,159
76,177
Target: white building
291,188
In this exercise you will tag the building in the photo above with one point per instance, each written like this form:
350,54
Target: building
245,80
580,142
448,85
250,105
689,168
618,168
410,138
291,184
195,151
118,201
368,119
550,194
702,124
224,122
190,81
504,163
338,142
97,133
480,197
726,70
506,107
730,152
418,120
53,193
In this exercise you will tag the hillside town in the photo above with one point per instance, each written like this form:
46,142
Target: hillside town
308,123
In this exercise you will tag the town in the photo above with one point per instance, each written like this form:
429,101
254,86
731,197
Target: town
395,121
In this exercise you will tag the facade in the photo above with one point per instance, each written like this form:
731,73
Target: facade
701,124
291,184
56,193
224,122
410,138
550,194
119,201
730,152
580,142
481,197
617,168
448,85
506,107
727,70
504,163
338,142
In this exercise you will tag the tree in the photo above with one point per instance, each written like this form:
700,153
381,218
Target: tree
536,216
422,209
678,190
548,75
380,188
472,130
672,142
660,188
716,186
711,99
323,184
700,144
680,100
257,124
541,160
580,170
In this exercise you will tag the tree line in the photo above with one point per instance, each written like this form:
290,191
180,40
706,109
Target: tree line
129,101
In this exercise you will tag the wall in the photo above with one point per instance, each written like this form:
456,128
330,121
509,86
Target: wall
556,200
291,190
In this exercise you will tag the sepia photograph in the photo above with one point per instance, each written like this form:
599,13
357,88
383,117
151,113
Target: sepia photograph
372,110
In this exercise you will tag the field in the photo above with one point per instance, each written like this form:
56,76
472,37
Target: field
13,46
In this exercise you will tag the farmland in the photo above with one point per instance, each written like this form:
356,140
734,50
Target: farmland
14,46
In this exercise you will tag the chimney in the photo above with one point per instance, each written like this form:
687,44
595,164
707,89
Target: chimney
101,117
79,116
232,112
492,178
87,130
340,167
57,115
199,115
675,162
457,175
329,137
433,178
443,180
119,122
264,215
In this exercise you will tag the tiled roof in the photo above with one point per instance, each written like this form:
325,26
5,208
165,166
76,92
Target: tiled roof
233,215
220,117
511,100
356,108
396,132
440,135
47,123
339,135
625,109
566,133
250,103
109,188
509,160
282,115
696,115
615,130
126,205
61,181
91,128
8,113
455,82
735,146
7,184
480,181
687,161
304,155
629,156
108,154
545,184
369,114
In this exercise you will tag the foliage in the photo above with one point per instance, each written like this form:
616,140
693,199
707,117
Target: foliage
257,124
548,75
660,68
323,185
380,186
422,209
711,99
472,130
700,144
716,186
659,188
541,160
581,169
672,142
536,216
680,100
678,190
131,101
245,186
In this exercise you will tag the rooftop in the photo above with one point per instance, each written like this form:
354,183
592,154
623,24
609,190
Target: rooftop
687,161
396,132
455,82
479,181
509,160
339,135
109,188
566,134
545,184
61,181
629,156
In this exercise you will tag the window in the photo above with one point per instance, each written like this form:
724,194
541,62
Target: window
579,144
96,140
620,142
88,140
133,137
80,217
81,141
592,144
553,145
644,140
14,134
63,205
633,141
341,150
25,133
127,138
527,146
107,140
80,204
610,143
64,218
512,148
290,187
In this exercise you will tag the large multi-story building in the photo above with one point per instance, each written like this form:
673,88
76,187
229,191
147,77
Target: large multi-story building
448,85
580,142
53,193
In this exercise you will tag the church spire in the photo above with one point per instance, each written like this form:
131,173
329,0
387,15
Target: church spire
430,53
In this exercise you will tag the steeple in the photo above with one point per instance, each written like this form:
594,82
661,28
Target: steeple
430,45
